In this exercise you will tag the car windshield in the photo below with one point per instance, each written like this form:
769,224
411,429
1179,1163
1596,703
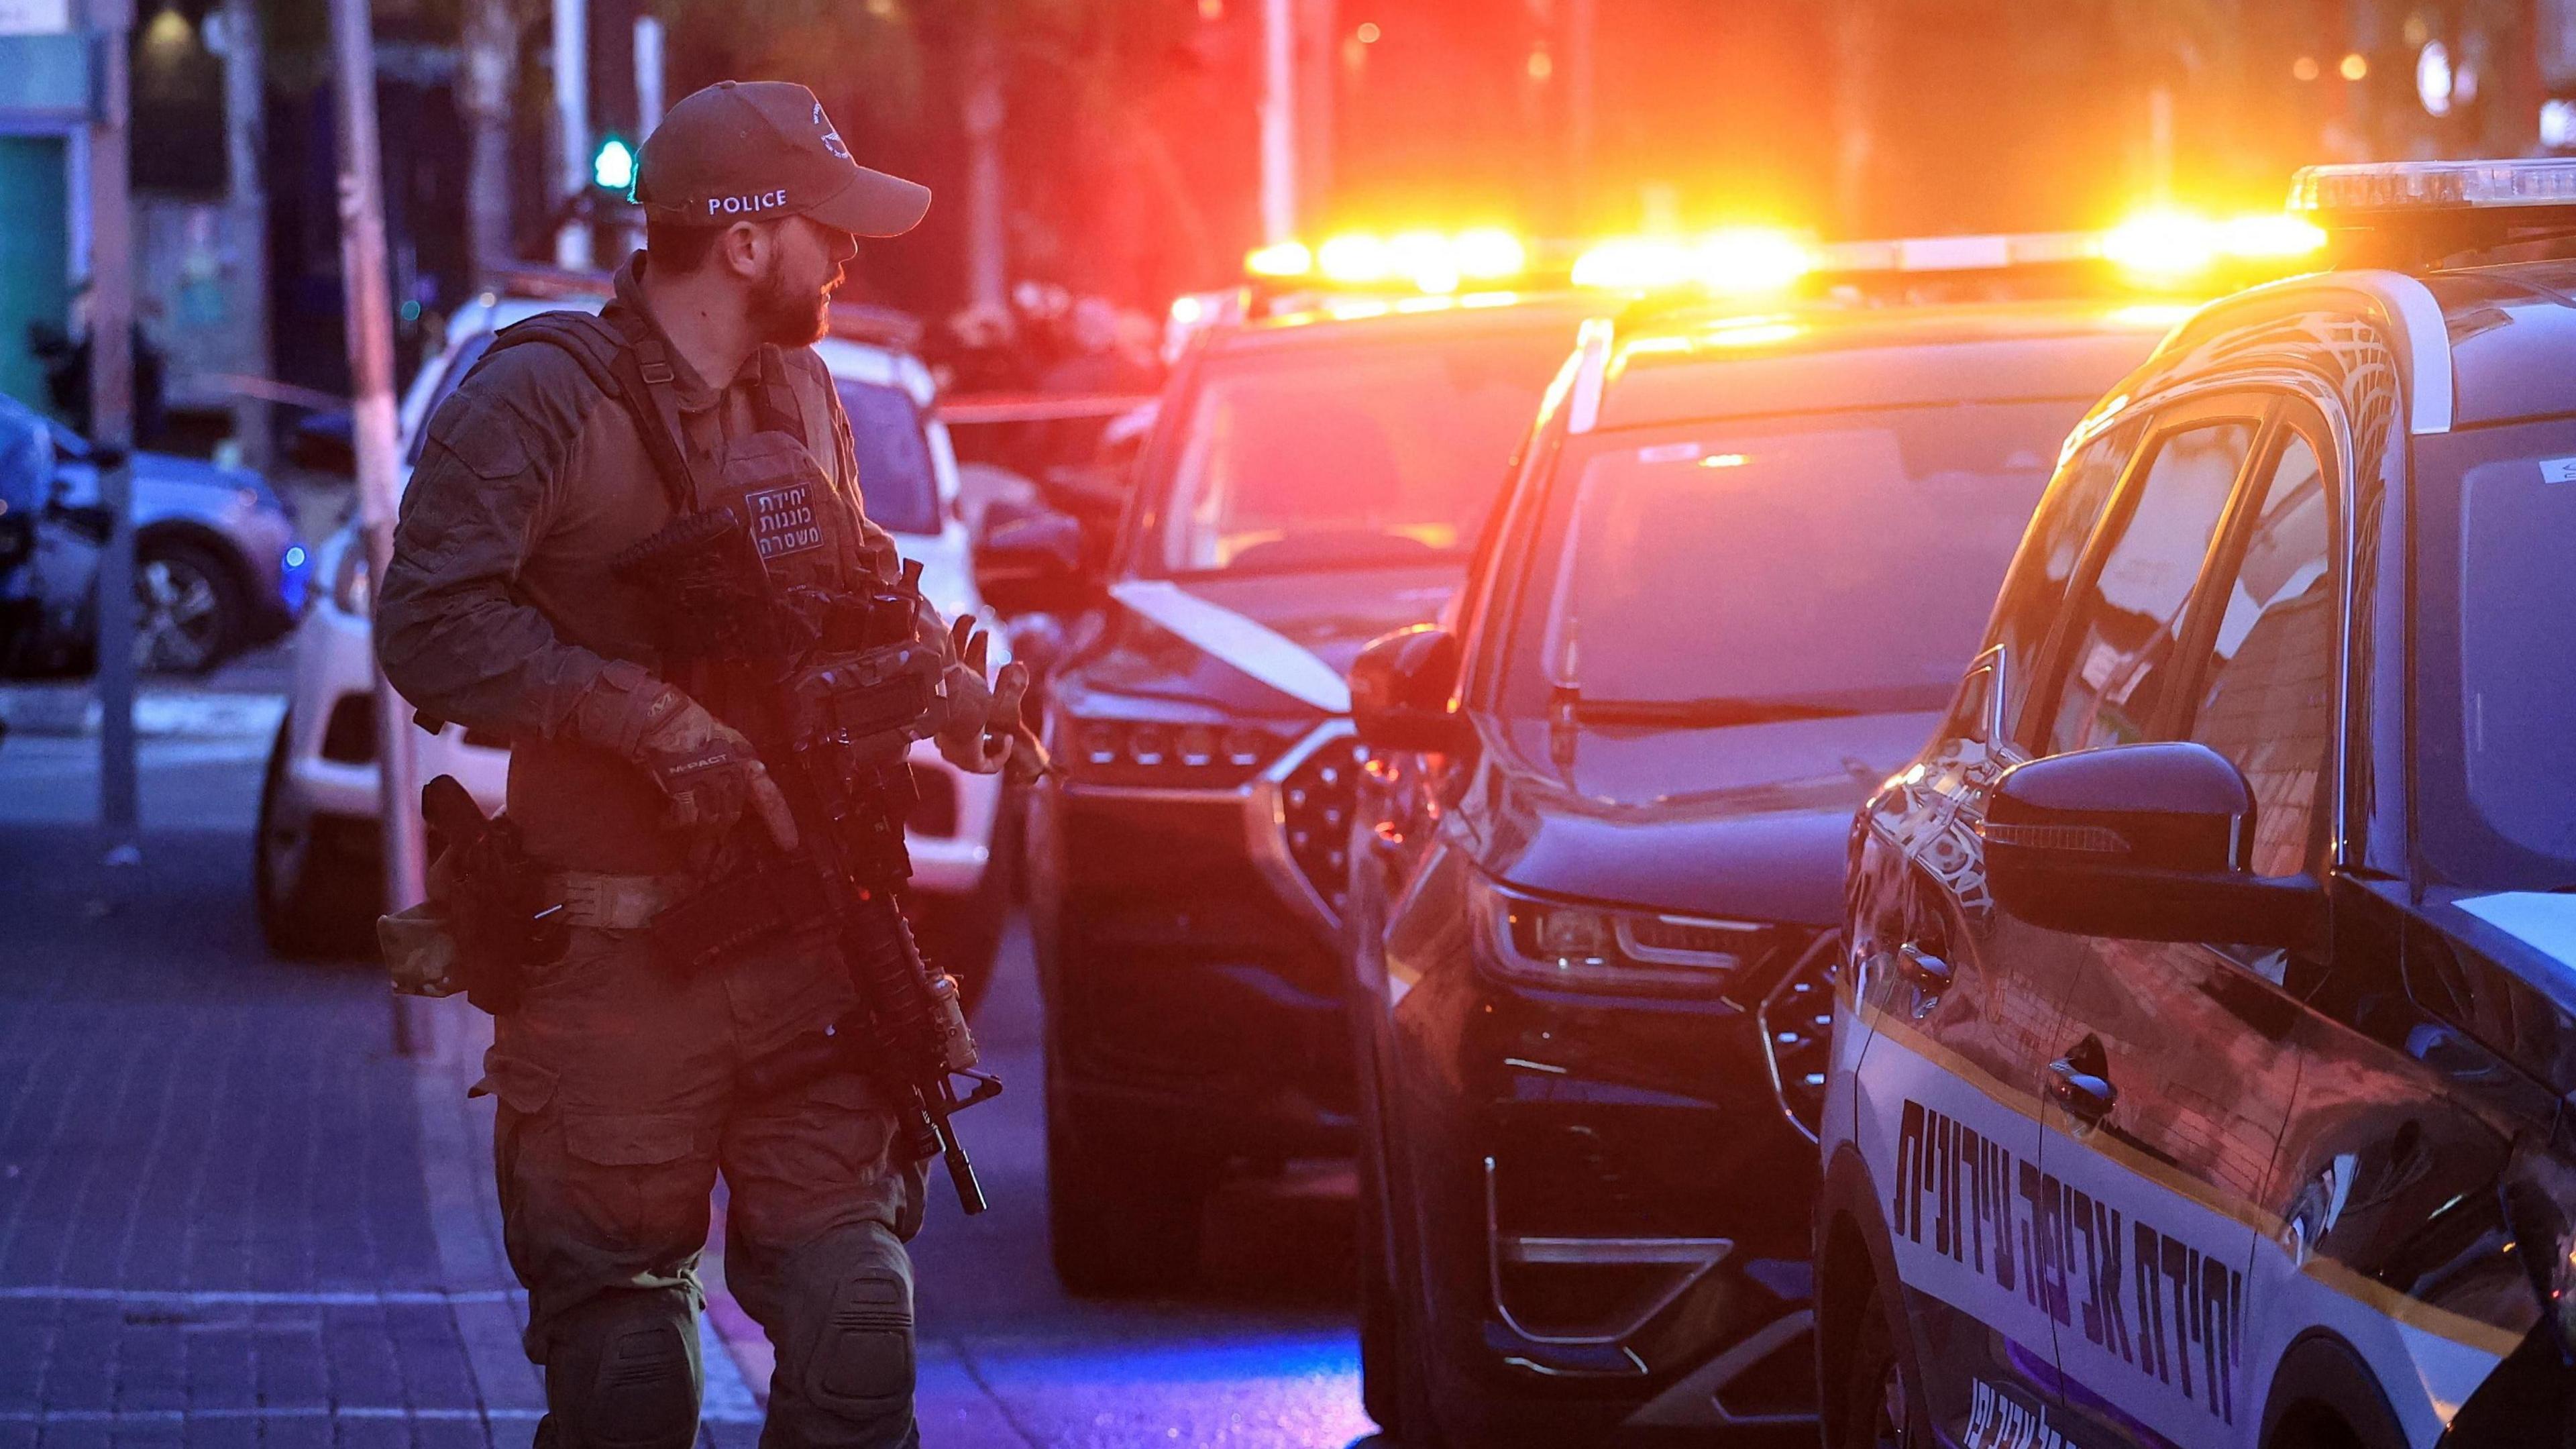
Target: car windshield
1310,457
1778,568
897,482
2496,655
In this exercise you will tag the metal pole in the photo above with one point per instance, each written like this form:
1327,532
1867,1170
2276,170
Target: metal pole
245,137
1582,27
987,259
111,391
572,120
369,303
1278,120
490,74
648,104
648,75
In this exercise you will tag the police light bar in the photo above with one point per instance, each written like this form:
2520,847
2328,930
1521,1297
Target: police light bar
1434,262
2335,193
2166,247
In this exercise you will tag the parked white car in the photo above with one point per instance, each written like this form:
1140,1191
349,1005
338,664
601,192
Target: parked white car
316,867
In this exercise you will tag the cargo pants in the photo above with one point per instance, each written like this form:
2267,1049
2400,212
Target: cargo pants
617,1112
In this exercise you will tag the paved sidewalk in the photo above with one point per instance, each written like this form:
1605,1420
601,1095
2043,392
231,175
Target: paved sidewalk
212,1223
229,1215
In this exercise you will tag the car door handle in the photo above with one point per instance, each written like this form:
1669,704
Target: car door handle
2088,1097
1922,970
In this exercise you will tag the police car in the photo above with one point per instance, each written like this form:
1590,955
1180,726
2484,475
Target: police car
1313,480
315,866
2210,1001
1626,760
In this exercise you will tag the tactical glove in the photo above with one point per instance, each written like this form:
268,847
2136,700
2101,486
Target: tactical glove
709,771
983,718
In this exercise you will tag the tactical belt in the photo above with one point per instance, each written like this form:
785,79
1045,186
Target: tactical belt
605,902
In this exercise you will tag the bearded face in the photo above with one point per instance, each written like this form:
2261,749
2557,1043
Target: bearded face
791,307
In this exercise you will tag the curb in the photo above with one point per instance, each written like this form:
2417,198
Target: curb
158,713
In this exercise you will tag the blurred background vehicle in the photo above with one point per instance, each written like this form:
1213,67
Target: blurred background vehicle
315,868
218,567
1309,482
1597,854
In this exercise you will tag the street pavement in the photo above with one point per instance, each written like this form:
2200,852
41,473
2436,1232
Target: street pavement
231,1214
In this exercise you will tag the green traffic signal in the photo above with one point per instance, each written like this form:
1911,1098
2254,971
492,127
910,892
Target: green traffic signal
612,166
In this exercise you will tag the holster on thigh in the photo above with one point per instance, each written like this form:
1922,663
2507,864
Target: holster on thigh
622,1373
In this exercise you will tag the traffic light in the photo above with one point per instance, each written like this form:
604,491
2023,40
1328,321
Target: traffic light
612,166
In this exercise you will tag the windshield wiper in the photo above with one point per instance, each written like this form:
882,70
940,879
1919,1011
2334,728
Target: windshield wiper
1703,713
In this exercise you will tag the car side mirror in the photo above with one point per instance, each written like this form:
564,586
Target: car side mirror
1033,564
1400,689
2143,843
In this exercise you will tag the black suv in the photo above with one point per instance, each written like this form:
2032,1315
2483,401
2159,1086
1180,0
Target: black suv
1599,847
1312,481
2203,1071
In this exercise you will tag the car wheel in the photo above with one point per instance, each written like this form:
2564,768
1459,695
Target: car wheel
1124,1213
318,893
190,614
962,934
1880,1409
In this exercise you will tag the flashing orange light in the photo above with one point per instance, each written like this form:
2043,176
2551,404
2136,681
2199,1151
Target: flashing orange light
2164,243
1354,259
2272,234
1425,258
1280,259
1633,264
2170,245
1751,260
1489,254
1739,261
1434,262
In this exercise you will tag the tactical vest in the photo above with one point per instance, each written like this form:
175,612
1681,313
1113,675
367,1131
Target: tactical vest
804,530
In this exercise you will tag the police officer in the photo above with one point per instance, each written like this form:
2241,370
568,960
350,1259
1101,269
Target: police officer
616,1075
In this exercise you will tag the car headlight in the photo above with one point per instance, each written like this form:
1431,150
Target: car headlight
352,590
1172,750
1577,946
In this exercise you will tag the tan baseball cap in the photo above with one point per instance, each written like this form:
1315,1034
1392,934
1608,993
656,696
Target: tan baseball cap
753,150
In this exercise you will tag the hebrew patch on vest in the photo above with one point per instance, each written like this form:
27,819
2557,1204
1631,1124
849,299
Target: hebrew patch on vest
783,521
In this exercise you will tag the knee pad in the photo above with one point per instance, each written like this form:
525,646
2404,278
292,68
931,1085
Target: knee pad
862,1366
624,1376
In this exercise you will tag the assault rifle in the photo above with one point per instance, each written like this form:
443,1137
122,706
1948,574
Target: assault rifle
848,684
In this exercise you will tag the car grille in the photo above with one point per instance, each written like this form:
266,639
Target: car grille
1315,803
1797,1021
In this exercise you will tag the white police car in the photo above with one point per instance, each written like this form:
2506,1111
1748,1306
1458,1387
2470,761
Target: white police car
2202,1060
316,853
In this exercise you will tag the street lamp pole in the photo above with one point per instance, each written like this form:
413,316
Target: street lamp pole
1278,120
369,300
111,422
572,120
